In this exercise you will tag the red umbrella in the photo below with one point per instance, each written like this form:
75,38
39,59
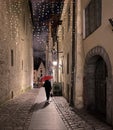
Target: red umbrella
46,77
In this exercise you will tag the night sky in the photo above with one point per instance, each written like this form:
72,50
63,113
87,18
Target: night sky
42,11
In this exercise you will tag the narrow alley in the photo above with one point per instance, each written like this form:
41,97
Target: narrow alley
30,111
65,46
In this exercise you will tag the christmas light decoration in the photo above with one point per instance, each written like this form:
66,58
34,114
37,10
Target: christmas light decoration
43,11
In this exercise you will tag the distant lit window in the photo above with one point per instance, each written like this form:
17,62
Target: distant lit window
92,16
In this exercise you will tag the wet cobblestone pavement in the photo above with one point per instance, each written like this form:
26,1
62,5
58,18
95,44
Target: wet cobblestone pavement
16,115
78,120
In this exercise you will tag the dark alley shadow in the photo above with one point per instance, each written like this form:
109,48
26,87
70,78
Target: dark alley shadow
38,106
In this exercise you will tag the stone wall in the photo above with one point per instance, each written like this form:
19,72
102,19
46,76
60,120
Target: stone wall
65,45
16,60
99,43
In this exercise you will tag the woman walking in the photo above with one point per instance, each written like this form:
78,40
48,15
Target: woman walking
48,88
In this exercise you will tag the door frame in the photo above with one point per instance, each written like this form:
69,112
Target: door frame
97,51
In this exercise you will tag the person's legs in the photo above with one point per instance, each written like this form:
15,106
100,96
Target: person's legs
48,95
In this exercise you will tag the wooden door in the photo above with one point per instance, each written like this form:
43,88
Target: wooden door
100,86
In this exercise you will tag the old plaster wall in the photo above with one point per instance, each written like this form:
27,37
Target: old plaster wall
16,60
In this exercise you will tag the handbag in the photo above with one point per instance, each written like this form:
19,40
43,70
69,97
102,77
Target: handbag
51,94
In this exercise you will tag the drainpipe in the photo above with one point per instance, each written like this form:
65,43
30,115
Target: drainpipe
57,62
73,56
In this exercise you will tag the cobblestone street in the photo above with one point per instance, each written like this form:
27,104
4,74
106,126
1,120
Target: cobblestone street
78,120
16,114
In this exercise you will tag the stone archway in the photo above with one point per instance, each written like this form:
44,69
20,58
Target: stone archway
98,83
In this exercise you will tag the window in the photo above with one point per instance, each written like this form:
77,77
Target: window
92,16
68,18
68,63
12,58
22,65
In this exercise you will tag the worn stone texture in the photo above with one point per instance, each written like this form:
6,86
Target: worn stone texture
16,38
65,45
80,83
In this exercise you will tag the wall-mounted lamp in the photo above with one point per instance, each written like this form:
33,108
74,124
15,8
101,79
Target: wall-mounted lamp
55,63
111,22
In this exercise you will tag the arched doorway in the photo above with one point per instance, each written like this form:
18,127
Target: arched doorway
100,76
98,83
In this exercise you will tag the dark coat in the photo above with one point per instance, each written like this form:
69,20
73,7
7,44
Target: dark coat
47,85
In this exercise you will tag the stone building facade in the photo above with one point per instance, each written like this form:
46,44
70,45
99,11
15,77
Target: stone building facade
16,56
91,33
65,46
97,41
